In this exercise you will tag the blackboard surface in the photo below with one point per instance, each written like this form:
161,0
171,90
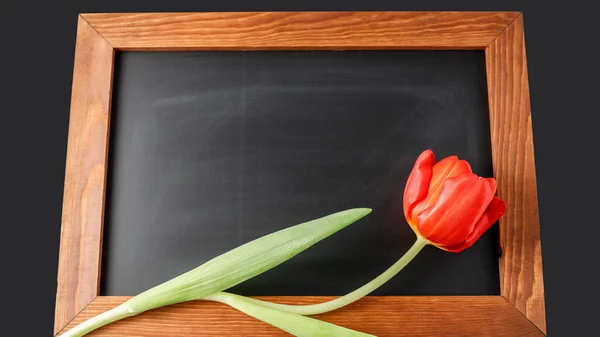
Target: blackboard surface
210,150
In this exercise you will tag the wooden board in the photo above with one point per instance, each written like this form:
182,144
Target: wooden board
324,30
85,179
381,316
514,165
500,34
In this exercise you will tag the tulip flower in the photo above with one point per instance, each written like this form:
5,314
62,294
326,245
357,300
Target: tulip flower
446,205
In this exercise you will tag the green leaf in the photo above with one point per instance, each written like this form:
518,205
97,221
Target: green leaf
244,262
294,324
228,269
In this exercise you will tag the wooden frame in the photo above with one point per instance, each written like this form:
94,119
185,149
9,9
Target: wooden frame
520,308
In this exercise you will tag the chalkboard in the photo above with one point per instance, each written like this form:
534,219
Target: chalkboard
209,150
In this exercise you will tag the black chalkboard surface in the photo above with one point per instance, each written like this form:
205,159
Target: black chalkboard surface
210,150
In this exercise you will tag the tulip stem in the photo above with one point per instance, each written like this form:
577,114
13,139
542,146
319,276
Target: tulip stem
114,314
314,309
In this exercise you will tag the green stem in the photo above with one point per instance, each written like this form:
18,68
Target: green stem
314,309
294,324
115,314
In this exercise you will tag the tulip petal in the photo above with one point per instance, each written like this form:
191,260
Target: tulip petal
492,183
446,168
418,183
440,171
494,211
460,205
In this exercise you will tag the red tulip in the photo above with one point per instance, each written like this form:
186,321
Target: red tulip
447,204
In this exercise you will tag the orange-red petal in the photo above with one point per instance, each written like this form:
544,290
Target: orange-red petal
494,211
446,168
461,203
492,183
418,182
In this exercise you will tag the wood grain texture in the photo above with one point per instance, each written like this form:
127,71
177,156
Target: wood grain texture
83,201
378,315
512,151
301,30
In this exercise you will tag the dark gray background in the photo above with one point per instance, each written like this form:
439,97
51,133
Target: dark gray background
210,150
37,64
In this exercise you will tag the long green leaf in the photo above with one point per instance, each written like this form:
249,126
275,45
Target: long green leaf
230,268
245,261
294,324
